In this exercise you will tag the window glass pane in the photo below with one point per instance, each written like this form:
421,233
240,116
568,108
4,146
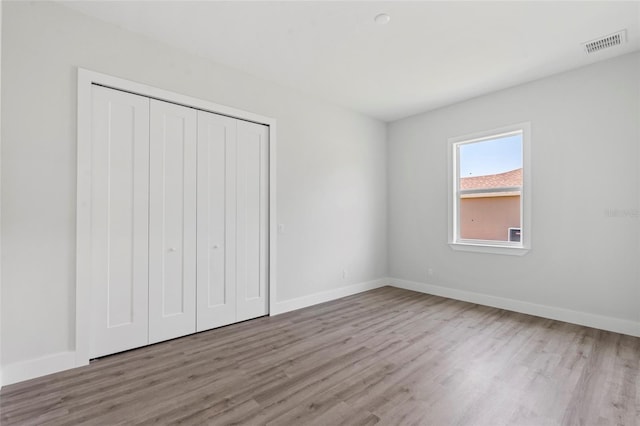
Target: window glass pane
490,184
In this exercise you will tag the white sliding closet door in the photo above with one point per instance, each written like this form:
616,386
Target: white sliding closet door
216,220
252,192
172,221
119,221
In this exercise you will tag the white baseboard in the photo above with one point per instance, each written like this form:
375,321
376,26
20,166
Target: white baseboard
25,370
30,369
326,296
617,325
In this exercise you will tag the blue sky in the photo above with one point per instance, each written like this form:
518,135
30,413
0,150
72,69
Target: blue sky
491,156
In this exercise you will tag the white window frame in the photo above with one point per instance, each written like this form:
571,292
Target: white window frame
490,246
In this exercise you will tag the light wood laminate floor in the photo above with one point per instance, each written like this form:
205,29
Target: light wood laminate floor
387,356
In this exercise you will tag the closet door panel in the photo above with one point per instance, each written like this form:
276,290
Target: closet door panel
172,221
216,221
252,220
119,221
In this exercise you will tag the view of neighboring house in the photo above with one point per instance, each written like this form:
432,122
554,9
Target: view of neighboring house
493,212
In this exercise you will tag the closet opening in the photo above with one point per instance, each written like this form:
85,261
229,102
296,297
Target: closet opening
176,213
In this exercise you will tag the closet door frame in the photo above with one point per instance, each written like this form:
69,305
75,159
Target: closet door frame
86,79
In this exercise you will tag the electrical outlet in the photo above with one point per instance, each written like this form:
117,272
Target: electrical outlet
344,274
430,271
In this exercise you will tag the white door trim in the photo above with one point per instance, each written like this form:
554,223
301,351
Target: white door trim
86,79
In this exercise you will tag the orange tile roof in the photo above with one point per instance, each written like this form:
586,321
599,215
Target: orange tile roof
500,180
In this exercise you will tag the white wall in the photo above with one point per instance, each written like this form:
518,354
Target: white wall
585,139
0,191
332,180
331,168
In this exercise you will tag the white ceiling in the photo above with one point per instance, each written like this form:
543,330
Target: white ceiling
430,54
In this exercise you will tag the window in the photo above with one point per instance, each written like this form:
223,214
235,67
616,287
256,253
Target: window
489,208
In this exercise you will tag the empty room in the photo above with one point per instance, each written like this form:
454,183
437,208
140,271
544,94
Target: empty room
320,212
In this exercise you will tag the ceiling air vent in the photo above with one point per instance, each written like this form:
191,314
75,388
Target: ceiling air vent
605,42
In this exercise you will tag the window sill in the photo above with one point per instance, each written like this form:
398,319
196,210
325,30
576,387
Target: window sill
490,248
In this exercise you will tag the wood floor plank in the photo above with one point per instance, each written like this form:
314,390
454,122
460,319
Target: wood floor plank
386,356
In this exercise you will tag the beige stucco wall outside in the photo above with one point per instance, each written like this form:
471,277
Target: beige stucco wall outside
489,218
